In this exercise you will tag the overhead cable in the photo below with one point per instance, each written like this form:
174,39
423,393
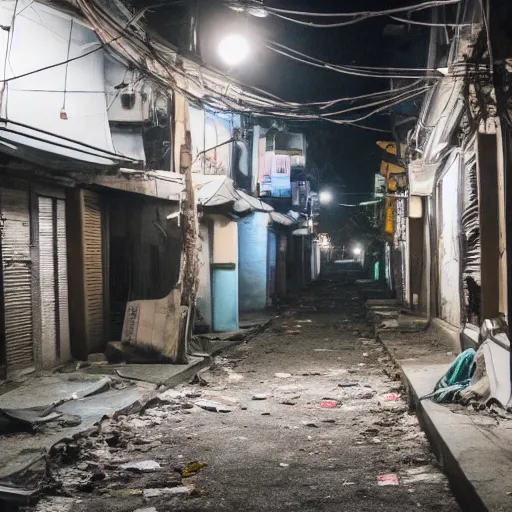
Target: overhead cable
311,61
427,23
414,7
356,17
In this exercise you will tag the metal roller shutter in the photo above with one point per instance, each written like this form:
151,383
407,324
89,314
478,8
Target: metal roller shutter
93,271
62,283
53,281
17,270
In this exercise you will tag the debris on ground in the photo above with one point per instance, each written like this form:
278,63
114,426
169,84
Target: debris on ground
308,451
211,405
328,404
142,466
391,397
166,492
191,469
389,479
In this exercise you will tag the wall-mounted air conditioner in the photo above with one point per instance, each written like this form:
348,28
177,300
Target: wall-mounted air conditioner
131,104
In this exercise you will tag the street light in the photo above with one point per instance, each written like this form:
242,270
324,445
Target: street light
234,49
357,251
325,197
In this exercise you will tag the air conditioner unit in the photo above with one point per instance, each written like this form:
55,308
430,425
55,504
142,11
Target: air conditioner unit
132,104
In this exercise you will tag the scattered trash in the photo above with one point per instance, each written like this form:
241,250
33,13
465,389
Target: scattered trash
323,350
348,483
282,375
391,397
348,384
284,465
210,405
328,421
389,479
125,493
259,396
311,424
365,354
147,509
265,414
288,402
142,466
425,474
166,491
328,404
376,440
292,333
191,469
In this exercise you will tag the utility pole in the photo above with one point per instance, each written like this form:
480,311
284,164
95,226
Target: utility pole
193,33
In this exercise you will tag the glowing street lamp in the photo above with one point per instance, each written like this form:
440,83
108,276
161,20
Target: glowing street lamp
234,49
357,251
325,197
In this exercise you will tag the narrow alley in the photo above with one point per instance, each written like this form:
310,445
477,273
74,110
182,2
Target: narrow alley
308,415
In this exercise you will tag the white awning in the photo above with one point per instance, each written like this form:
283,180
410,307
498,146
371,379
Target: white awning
214,190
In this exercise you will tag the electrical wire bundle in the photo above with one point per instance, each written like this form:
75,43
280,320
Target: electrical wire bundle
122,33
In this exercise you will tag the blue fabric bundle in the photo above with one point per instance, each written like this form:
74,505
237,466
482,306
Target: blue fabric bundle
457,378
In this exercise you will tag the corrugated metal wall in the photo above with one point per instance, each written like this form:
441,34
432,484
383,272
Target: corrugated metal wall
470,220
17,275
93,270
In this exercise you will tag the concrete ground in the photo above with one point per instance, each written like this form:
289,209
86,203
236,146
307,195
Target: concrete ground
328,421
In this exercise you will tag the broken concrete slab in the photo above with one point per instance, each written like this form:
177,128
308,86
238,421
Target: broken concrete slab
168,375
19,451
53,389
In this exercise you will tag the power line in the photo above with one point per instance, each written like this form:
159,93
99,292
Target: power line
426,23
415,7
64,62
333,67
356,18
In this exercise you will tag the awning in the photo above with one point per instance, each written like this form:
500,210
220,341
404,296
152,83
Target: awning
214,190
441,113
159,184
281,218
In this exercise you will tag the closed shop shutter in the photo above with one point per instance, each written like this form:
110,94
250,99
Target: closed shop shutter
49,341
17,274
53,281
62,283
93,270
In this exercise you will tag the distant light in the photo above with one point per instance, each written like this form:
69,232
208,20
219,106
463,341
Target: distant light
234,49
357,251
325,197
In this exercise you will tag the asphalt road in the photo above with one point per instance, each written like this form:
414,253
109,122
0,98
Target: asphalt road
331,421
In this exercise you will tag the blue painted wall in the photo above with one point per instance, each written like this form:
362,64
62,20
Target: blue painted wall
272,265
252,262
225,300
